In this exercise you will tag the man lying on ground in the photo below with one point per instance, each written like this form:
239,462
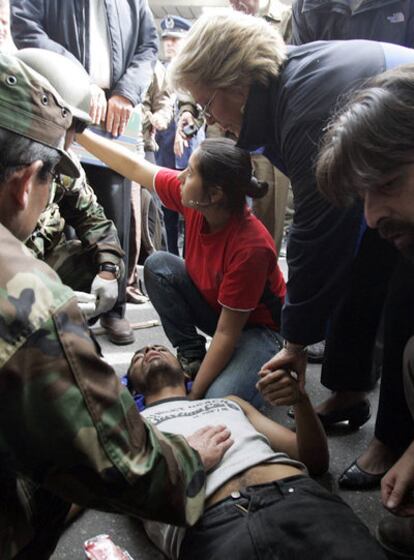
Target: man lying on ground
260,503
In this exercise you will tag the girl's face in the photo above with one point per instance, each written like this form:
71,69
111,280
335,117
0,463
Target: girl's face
193,194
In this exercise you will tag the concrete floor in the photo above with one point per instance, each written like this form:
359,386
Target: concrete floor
344,446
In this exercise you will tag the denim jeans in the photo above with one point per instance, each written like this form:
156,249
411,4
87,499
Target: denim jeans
288,519
183,310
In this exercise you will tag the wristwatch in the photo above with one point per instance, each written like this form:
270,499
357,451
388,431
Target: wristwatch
109,267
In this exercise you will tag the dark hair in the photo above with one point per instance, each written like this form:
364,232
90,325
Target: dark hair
369,138
221,163
17,151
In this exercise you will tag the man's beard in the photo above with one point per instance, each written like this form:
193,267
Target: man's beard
399,232
159,375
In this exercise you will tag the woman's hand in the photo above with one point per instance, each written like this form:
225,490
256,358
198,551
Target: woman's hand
291,358
279,387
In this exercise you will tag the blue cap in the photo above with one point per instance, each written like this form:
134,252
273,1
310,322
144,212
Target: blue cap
174,26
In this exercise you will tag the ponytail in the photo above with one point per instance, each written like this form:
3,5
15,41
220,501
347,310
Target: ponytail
257,189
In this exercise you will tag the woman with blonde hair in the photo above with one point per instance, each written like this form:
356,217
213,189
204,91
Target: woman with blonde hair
239,71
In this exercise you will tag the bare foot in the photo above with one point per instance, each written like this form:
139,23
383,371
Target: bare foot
340,400
377,458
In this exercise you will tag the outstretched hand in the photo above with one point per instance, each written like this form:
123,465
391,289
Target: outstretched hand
211,442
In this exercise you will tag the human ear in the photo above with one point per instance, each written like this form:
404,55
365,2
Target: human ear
22,182
216,194
240,94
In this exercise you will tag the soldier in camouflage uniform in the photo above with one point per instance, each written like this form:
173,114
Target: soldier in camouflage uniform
92,262
78,261
69,431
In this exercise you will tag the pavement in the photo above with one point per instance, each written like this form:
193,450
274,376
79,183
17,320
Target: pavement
344,445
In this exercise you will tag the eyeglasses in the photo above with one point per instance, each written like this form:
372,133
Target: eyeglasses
205,110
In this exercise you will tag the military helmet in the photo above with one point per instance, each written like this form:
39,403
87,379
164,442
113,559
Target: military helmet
68,77
31,107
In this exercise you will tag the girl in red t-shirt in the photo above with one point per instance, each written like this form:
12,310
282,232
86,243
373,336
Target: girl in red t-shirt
229,286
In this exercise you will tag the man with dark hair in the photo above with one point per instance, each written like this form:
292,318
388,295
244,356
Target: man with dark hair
69,431
388,21
92,262
116,42
259,501
368,152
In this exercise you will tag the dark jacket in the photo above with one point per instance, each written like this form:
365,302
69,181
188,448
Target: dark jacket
287,118
63,26
391,21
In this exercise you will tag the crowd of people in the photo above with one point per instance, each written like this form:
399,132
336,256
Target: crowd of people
245,109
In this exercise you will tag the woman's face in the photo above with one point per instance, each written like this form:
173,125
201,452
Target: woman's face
224,106
192,191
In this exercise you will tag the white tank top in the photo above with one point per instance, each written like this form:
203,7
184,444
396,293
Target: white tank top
250,448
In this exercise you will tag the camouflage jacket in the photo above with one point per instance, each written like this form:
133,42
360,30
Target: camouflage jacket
66,422
76,205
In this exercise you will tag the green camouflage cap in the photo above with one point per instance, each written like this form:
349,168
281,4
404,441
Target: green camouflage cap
31,107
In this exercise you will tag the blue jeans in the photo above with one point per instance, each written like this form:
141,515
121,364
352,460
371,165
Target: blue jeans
183,310
289,519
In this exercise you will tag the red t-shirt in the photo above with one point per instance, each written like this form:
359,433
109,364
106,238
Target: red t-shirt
235,267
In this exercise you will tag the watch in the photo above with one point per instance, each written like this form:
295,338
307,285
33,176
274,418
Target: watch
109,267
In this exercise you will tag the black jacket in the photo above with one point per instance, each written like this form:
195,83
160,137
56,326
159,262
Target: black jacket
391,21
63,26
287,118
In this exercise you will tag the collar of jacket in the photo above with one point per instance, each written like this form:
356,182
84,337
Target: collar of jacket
257,124
343,6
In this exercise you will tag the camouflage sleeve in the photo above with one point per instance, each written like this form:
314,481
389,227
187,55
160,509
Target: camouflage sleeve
69,425
81,210
48,232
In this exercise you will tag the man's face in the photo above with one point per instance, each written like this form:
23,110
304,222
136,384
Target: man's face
389,208
171,46
153,366
249,7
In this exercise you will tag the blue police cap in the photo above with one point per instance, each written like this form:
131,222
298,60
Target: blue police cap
174,26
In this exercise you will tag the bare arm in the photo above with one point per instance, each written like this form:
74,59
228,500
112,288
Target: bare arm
221,349
308,444
119,159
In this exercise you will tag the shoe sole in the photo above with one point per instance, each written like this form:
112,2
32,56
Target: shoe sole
119,342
